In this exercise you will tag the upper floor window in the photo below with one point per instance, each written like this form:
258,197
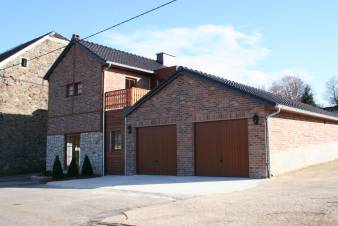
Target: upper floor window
130,82
24,62
74,89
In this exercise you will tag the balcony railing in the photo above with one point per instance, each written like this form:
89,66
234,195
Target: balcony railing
118,99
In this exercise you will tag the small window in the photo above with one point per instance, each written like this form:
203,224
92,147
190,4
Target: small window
74,89
70,90
23,62
115,140
130,82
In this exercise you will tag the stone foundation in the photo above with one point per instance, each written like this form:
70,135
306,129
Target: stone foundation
90,144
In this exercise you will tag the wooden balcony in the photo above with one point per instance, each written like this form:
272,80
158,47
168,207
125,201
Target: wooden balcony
118,99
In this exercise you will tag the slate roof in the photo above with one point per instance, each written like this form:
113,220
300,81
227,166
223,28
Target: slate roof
20,47
264,96
121,57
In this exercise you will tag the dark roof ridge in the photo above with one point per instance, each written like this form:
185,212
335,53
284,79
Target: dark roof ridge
259,94
118,50
307,107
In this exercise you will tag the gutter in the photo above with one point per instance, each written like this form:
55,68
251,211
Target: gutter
304,112
129,67
267,139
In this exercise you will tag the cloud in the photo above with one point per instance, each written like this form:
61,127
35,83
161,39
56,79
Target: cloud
220,50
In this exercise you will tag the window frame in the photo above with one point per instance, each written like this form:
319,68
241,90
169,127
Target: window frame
75,89
113,147
130,82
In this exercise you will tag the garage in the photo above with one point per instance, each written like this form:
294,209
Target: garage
221,148
156,150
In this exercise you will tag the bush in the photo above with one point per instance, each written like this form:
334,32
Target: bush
73,169
87,169
57,172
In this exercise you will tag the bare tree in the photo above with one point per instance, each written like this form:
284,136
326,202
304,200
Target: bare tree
332,90
291,87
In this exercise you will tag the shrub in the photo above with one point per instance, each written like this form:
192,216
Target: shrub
73,169
57,172
87,169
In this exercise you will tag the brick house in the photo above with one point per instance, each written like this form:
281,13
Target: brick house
133,115
23,103
89,85
199,124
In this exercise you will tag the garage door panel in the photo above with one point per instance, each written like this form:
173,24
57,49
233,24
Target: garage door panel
156,150
207,142
221,148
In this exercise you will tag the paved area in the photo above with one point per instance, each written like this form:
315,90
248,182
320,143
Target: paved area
171,186
307,197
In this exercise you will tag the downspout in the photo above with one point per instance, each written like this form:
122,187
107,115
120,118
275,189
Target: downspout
267,140
125,145
103,120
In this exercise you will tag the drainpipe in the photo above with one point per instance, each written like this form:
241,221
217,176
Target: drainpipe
103,122
103,119
267,140
125,145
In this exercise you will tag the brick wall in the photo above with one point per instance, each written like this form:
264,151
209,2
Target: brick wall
187,100
298,141
79,113
115,79
23,110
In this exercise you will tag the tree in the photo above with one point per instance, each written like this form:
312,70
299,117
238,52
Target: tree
332,90
307,97
73,169
291,87
87,169
57,173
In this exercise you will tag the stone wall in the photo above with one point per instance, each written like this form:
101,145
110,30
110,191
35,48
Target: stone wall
187,100
23,105
55,147
91,145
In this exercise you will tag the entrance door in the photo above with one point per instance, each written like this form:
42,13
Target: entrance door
72,149
221,148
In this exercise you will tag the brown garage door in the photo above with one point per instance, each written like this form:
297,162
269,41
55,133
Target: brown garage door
221,148
156,150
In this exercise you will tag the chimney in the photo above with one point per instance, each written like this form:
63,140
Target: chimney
165,59
76,37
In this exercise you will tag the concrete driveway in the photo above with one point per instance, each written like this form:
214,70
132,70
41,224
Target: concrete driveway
88,201
171,186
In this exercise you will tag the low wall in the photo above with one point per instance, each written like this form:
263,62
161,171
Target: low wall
297,142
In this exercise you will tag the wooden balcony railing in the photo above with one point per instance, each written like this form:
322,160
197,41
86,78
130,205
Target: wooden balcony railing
118,99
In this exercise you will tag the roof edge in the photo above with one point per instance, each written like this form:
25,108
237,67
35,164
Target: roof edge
304,112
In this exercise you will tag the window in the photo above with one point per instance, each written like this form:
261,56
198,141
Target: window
74,89
23,62
115,140
72,149
130,82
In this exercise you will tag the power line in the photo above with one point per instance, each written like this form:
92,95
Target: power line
99,32
130,19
